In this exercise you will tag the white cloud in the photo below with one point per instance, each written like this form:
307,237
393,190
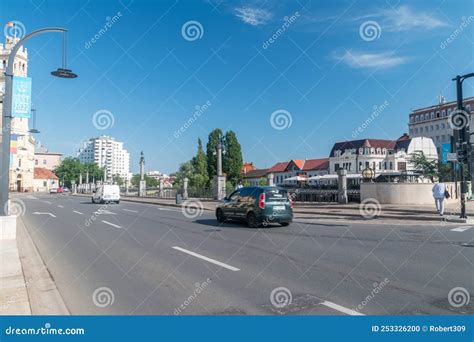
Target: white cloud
253,16
404,18
384,60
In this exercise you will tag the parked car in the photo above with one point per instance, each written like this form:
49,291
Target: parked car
257,206
65,189
106,193
59,190
53,190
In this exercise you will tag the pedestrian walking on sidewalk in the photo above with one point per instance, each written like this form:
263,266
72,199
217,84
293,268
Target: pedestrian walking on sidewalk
439,194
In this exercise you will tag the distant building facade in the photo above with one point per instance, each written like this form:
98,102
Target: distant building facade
47,160
107,153
382,156
44,180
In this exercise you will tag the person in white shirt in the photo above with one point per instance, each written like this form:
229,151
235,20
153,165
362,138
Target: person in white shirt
439,193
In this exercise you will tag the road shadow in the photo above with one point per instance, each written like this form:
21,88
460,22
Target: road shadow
232,224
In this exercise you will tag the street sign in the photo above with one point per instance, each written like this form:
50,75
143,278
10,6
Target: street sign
453,157
445,150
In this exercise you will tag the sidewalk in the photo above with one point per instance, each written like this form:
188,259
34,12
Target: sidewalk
352,212
13,294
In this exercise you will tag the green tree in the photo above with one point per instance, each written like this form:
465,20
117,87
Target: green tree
150,182
69,170
232,161
211,149
263,181
200,177
95,172
428,168
117,179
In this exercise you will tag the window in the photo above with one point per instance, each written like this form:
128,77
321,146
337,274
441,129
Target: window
442,126
336,167
443,112
391,166
44,161
402,166
437,126
36,161
45,183
384,151
432,115
416,118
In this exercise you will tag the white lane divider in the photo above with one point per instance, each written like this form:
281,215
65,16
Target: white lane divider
461,229
47,202
104,212
42,213
129,210
232,268
60,206
77,212
111,224
342,309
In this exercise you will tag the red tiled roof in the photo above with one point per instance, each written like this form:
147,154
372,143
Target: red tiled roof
255,173
42,173
247,167
316,164
299,163
279,167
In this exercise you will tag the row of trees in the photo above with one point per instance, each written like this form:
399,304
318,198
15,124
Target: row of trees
70,170
202,168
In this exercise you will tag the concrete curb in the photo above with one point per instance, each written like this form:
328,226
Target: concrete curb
44,296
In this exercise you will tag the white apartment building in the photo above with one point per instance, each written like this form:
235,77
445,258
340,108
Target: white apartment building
108,153
432,122
383,156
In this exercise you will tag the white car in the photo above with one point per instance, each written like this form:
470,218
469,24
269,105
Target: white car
106,194
53,190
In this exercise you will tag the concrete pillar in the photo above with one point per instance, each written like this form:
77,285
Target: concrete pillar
185,188
142,184
161,193
271,179
342,186
219,187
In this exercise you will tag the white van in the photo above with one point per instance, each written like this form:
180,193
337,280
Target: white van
106,193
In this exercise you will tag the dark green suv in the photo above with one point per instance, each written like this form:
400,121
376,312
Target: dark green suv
257,206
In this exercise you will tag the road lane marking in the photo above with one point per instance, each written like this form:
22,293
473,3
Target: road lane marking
111,224
132,211
41,213
461,229
77,212
168,209
104,211
341,308
48,202
232,268
60,206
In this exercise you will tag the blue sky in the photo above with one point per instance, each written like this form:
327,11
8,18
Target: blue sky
324,71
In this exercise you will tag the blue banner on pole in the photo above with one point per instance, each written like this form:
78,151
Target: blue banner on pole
21,99
445,149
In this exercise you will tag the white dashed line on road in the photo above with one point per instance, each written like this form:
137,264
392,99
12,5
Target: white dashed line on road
461,229
41,213
60,206
168,209
341,308
111,224
77,212
47,202
129,210
232,268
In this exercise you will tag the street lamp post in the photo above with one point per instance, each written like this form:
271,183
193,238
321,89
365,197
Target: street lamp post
463,144
220,179
7,111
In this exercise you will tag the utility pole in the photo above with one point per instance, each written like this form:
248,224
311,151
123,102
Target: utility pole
460,121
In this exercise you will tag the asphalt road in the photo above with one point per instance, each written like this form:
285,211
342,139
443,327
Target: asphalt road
140,259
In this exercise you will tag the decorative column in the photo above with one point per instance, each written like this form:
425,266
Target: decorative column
220,179
271,179
142,185
185,188
161,194
342,186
